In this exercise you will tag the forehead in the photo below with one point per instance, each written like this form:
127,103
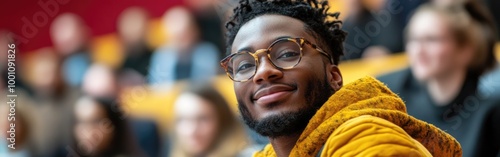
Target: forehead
191,104
261,31
428,22
89,109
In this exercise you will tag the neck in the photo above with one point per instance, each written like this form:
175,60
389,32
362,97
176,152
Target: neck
445,88
283,145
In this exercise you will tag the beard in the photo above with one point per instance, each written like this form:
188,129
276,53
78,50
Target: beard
288,123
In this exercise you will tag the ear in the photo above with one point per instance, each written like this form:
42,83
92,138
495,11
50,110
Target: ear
334,76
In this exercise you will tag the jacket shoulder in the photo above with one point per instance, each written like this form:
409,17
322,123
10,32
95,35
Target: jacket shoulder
371,136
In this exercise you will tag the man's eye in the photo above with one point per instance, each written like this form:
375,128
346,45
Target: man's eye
288,54
245,66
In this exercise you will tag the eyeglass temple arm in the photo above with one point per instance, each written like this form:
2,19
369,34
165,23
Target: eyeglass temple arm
318,49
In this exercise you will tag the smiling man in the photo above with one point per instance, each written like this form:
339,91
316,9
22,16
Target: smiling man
283,58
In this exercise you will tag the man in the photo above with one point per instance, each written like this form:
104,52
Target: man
283,61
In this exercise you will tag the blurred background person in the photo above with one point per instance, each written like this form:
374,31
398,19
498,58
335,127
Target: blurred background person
70,37
492,6
50,97
449,47
21,139
209,15
22,111
6,40
204,125
132,29
100,131
372,31
101,81
185,55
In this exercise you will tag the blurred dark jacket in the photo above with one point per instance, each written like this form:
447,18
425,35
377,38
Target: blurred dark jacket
372,29
148,136
473,117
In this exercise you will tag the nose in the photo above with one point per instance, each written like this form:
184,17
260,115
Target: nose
266,71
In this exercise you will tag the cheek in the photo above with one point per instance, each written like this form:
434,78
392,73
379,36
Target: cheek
107,133
78,131
184,129
89,137
242,90
199,140
430,60
208,130
442,57
243,93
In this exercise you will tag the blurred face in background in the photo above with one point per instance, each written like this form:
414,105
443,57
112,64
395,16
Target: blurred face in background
196,124
93,130
68,33
133,25
201,5
180,28
432,50
100,81
43,72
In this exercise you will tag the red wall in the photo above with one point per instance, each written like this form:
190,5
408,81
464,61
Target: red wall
21,16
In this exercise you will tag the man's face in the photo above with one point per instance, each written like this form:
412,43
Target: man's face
280,102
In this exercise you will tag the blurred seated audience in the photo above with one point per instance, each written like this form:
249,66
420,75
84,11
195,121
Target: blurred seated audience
184,56
204,125
132,30
70,37
450,46
100,130
101,81
372,32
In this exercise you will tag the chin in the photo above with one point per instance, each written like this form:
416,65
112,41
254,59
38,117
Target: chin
421,74
278,109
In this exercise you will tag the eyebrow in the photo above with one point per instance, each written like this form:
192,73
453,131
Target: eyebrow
250,49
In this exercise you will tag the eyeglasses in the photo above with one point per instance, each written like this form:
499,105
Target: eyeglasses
284,53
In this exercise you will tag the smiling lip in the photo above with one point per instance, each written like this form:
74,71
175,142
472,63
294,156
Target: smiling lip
272,94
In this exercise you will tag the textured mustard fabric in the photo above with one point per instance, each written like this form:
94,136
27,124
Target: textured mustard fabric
365,118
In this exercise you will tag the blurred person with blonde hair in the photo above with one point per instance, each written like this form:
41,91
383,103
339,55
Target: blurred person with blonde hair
184,55
204,125
70,37
450,46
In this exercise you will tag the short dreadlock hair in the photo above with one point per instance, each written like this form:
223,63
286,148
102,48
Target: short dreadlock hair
313,13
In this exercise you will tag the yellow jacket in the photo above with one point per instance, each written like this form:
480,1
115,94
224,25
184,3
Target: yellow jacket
365,118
